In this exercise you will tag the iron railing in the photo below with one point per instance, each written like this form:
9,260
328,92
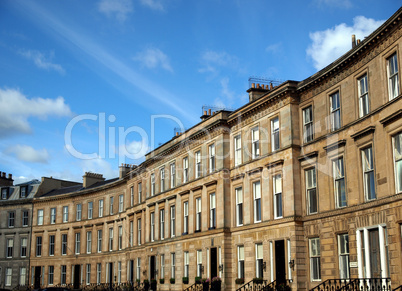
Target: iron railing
399,288
278,286
195,287
359,284
254,285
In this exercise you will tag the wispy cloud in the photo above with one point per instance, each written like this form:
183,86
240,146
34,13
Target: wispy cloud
228,97
100,166
274,48
330,44
152,58
153,4
16,108
42,61
85,44
27,153
212,61
116,8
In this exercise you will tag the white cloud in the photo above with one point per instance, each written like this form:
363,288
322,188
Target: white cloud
212,61
155,5
274,48
41,61
229,98
27,153
330,44
152,58
134,150
116,8
15,109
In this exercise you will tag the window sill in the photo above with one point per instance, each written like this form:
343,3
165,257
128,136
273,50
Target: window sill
211,228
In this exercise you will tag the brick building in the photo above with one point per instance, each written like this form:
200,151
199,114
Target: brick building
300,185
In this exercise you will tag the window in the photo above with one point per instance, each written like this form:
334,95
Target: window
162,176
4,193
52,215
51,245
172,175
88,274
311,191
77,243
173,265
138,268
23,276
24,244
198,164
198,214
110,239
139,231
152,184
255,143
343,247
90,209
186,264
339,183
23,191
315,265
393,79
398,161
162,266
277,183
257,201
139,192
9,275
99,240
98,273
185,170
131,239
308,133
364,104
239,207
11,219
211,150
152,227
65,213
10,247
89,242
368,173
63,273
162,223
51,275
118,272
38,246
78,212
121,203
100,208
212,211
335,111
172,221
131,196
240,262
64,244
111,205
199,263
275,134
40,217
25,220
237,150
258,261
185,217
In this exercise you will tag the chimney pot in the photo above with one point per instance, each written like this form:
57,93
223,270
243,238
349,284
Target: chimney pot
3,174
358,41
252,85
205,112
209,111
353,40
10,176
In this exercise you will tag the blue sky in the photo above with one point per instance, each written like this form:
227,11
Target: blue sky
87,85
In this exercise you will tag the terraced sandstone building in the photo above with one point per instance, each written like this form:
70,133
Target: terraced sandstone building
301,185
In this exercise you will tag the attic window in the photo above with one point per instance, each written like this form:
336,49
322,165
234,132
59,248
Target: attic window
4,193
23,191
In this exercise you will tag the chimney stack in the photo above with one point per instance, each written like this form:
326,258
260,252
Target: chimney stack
4,181
91,178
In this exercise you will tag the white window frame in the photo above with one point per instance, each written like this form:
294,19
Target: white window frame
278,199
98,273
311,189
38,246
100,208
237,150
186,264
131,239
77,243
335,111
212,158
275,138
172,221
152,226
368,173
63,275
9,275
185,217
185,170
173,265
162,223
259,259
308,128
239,206
393,76
339,182
121,203
199,263
397,156
343,252
139,231
111,234
11,219
53,215
257,201
131,196
64,246
315,259
198,164
52,242
40,216
10,248
172,175
152,184
255,142
88,274
240,262
364,101
99,242
162,266
111,202
90,209
162,177
139,192
89,242
198,215
212,210
25,218
138,275
24,247
23,276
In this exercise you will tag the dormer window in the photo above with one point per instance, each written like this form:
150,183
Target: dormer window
4,193
23,191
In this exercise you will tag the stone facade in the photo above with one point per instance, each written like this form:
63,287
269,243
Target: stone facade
301,185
